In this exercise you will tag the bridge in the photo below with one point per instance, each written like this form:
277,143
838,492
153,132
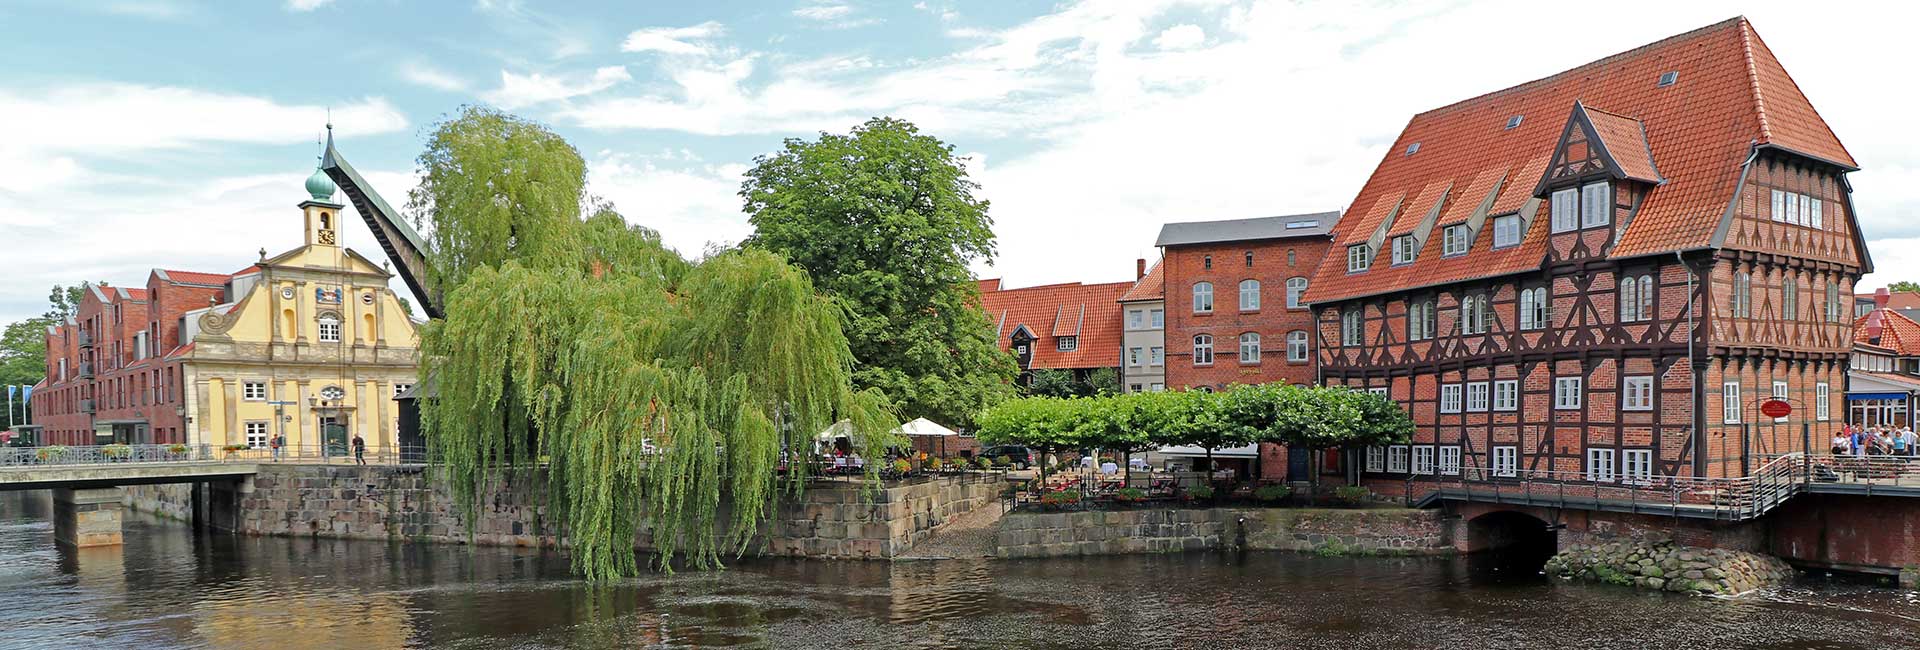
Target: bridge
86,479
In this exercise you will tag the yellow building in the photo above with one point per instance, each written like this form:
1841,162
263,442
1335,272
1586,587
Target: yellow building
311,345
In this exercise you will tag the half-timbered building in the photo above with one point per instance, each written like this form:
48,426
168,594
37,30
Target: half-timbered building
1602,273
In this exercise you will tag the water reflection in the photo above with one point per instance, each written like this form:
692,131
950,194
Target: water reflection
168,588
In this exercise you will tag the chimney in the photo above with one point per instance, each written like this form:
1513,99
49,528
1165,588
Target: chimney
1877,321
1880,298
1139,268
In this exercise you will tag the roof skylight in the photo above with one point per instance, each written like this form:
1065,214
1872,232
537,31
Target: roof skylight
1668,78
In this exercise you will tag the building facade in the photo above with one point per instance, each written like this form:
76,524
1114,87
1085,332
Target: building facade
1072,327
1144,342
1603,273
309,344
1234,292
1883,379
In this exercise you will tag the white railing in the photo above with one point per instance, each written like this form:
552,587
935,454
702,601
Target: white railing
64,455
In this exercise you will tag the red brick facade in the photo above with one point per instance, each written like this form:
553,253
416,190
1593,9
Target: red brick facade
1223,267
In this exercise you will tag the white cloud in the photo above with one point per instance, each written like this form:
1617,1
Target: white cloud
421,74
673,40
120,118
518,91
306,5
834,15
690,205
1180,37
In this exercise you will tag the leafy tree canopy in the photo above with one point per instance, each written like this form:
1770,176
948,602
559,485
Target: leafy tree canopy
1904,285
885,220
1053,382
654,388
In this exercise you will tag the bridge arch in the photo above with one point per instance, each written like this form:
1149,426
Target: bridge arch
1514,538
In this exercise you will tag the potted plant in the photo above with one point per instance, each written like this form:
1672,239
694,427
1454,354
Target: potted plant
117,452
234,449
51,453
178,449
1060,499
1272,494
1129,495
934,464
983,462
1197,493
902,467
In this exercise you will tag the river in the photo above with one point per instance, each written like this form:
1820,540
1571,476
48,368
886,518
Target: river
167,588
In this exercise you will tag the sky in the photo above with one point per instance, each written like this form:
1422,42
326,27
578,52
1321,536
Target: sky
137,134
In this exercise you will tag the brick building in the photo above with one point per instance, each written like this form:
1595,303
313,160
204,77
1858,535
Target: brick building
1072,326
308,343
1883,379
1233,290
1603,272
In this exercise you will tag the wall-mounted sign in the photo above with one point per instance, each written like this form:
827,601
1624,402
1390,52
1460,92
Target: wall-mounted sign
327,295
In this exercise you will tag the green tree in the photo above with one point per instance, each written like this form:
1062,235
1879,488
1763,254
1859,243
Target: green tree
885,220
1045,424
651,388
1905,285
1338,417
1197,418
64,301
23,361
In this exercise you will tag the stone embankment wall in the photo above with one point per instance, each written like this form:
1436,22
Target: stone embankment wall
847,520
1362,532
834,519
1670,567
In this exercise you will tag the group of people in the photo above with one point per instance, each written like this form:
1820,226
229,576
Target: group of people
1875,441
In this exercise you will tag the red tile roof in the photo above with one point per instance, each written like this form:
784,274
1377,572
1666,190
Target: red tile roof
1897,332
196,277
1152,286
1625,139
1730,93
251,269
1903,299
1089,311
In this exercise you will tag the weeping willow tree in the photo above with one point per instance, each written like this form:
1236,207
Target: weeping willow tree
655,390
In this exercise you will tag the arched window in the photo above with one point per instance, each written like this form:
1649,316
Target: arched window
1636,298
1533,308
1202,297
1646,297
1742,298
1203,350
1297,345
1250,347
1290,257
1249,259
326,221
329,329
1352,328
1249,295
1790,297
1296,287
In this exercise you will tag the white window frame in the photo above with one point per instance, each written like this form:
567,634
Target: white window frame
1203,349
1203,297
1156,356
1397,459
401,388
1353,328
1780,393
1297,346
1636,466
1249,295
1566,210
1596,204
1822,406
1136,356
1066,343
1136,319
1636,393
256,434
1455,240
1376,459
1742,297
329,329
1249,348
1450,460
1730,402
1506,231
1450,398
1779,206
1506,395
1379,390
1423,459
1296,287
1601,466
1568,393
1506,461
1420,320
1405,247
1359,258
1156,318
1533,308
1477,396
253,391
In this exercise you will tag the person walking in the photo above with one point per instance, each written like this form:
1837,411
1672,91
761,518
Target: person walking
359,449
1898,440
279,441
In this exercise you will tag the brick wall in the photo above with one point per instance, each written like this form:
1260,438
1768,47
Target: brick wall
1274,262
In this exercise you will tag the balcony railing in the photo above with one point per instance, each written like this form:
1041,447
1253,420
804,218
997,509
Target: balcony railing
85,370
179,453
86,406
86,339
1732,498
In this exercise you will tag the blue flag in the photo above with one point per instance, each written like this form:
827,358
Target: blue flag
26,392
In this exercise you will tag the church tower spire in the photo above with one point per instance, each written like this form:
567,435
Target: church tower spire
321,213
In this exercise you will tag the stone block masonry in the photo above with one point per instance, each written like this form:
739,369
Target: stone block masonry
834,520
1365,532
86,517
1670,567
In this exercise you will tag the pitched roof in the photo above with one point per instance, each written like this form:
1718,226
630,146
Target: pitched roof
193,277
1903,299
1316,224
1896,332
1088,311
1625,139
1730,93
1152,286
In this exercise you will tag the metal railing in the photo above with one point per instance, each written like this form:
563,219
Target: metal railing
64,455
1730,498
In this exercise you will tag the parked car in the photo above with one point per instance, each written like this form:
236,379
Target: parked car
1022,457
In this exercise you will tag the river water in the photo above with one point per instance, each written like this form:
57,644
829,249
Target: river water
167,588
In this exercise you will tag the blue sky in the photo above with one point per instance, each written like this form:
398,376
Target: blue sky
175,133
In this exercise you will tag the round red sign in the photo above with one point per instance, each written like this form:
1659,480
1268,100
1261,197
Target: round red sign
1774,408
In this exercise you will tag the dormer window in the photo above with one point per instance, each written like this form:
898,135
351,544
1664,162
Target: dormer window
1404,248
1455,239
1359,257
1506,231
1588,206
1067,343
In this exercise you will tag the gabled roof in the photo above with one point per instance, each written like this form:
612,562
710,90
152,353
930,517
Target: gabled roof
1316,224
1625,139
193,277
1152,286
1090,312
1895,331
1730,94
